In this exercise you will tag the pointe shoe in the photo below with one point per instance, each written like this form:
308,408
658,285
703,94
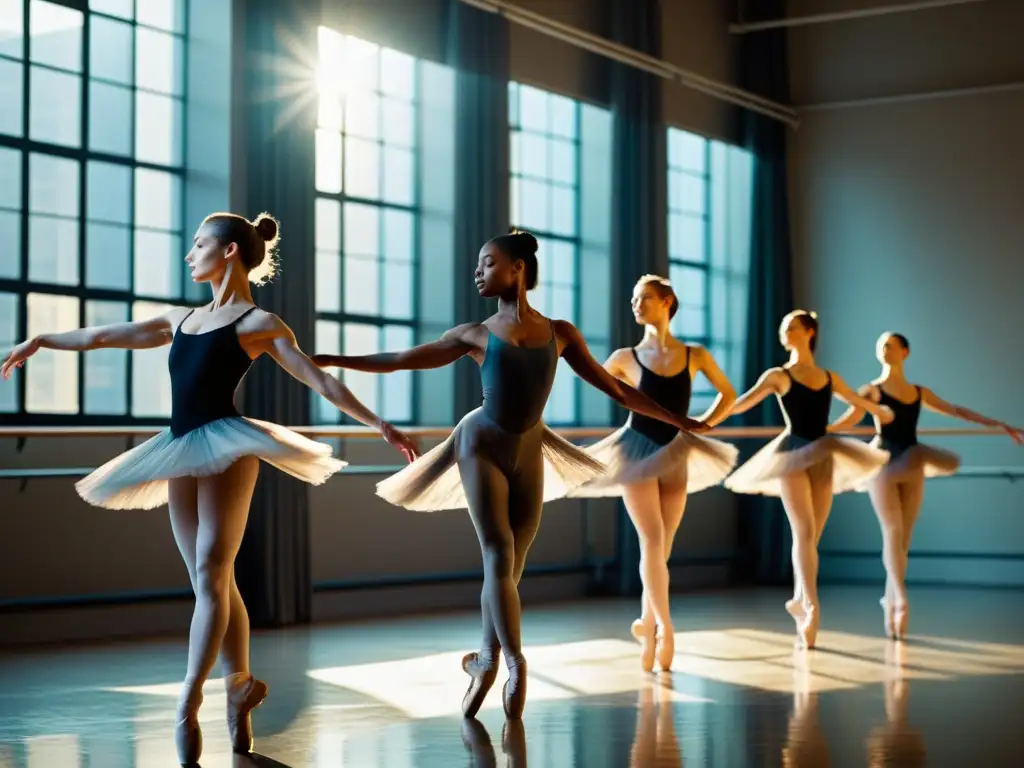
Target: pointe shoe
188,739
887,618
666,648
242,700
645,634
483,678
513,693
809,627
900,616
796,609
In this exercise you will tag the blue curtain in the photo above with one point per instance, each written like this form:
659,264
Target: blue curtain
764,537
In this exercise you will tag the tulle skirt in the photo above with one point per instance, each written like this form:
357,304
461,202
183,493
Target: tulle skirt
137,479
432,483
631,457
916,459
852,462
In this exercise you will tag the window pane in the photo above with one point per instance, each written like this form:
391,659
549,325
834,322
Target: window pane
562,257
123,8
10,244
106,370
360,63
107,255
399,123
563,162
328,225
563,116
563,211
329,112
690,285
515,153
561,407
56,35
687,151
563,303
8,338
163,14
398,235
515,194
53,250
158,129
12,29
690,323
397,74
533,109
398,301
534,205
327,342
398,176
362,168
719,307
10,97
397,386
108,192
362,286
328,161
151,384
157,199
534,157
158,61
10,178
362,230
53,185
687,192
110,50
55,117
52,385
513,104
327,282
361,340
158,261
110,124
687,237
362,115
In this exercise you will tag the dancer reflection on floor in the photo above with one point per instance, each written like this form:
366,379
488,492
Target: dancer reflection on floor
652,465
804,465
655,743
501,460
898,489
204,465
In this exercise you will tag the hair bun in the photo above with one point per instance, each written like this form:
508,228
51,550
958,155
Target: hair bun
266,227
813,314
531,242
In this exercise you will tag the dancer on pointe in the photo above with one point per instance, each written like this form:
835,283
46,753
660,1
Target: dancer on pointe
651,464
897,490
501,461
204,465
804,465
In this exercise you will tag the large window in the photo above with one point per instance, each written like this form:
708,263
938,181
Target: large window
367,214
91,196
709,187
545,195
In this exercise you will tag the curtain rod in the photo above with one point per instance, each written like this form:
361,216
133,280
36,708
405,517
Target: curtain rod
634,58
863,13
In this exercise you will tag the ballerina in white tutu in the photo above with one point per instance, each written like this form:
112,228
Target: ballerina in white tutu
204,465
804,465
652,465
501,461
898,488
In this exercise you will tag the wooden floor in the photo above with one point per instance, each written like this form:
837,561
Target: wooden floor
388,693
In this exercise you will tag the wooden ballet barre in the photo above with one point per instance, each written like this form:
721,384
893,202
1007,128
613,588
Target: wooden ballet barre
361,433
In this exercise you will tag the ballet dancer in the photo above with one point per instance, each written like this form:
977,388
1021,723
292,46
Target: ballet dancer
501,461
897,490
652,465
805,465
204,466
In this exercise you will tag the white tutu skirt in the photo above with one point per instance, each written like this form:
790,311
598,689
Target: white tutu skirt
137,479
916,460
631,457
852,462
432,483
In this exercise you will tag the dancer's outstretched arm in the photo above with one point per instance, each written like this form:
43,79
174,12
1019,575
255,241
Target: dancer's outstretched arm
769,383
141,334
933,402
723,403
854,415
453,344
842,392
273,336
578,356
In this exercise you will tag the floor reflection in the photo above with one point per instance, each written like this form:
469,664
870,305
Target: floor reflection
740,695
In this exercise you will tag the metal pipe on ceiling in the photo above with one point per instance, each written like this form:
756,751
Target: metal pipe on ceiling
863,13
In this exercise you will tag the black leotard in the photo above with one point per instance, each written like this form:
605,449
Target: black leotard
206,369
806,411
900,433
670,392
516,382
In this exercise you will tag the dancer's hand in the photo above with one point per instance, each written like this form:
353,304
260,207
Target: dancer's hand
324,361
687,424
409,448
16,357
1016,434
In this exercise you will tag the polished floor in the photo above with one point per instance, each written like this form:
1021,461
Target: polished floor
387,693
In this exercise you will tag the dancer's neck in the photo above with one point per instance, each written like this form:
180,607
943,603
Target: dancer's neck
801,357
657,335
231,288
